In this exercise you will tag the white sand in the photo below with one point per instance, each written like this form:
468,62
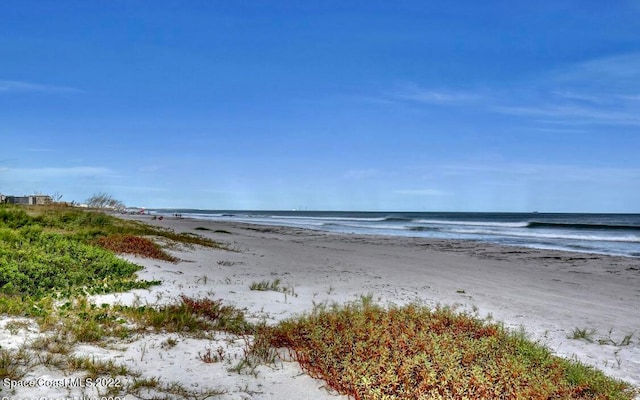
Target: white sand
549,293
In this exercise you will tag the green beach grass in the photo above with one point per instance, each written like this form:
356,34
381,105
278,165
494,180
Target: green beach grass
52,258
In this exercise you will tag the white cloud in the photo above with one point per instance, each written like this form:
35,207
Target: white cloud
561,130
630,97
56,172
573,114
571,95
435,97
21,86
619,71
601,91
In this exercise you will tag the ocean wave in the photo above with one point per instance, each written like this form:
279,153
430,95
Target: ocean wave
597,233
329,218
374,227
398,219
587,226
534,225
558,236
196,215
474,223
423,229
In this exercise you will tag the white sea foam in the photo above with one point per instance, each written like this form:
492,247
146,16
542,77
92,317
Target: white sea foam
328,218
474,223
609,234
559,235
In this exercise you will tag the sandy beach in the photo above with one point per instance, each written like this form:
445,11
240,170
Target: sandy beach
548,293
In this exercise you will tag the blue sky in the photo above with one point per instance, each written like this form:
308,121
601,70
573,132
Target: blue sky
331,105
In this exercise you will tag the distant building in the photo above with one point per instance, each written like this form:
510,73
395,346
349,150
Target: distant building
22,200
35,200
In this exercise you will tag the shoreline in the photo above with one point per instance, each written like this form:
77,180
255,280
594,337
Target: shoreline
609,234
549,293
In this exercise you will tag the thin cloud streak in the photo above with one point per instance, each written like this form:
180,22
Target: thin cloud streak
621,71
445,97
574,114
9,86
600,91
570,95
55,172
630,97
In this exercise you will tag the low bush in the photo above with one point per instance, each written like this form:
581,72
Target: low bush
369,352
35,263
63,250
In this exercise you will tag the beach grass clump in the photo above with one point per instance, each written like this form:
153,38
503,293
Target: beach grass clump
267,285
136,245
188,315
273,286
582,334
223,317
79,320
14,364
413,352
96,368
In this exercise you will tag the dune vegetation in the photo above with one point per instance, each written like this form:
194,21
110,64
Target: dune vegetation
415,352
53,258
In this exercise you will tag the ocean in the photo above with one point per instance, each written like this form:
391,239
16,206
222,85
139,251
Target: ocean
614,234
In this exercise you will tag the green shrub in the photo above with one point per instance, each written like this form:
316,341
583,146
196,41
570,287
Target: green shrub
35,263
52,249
13,217
413,352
